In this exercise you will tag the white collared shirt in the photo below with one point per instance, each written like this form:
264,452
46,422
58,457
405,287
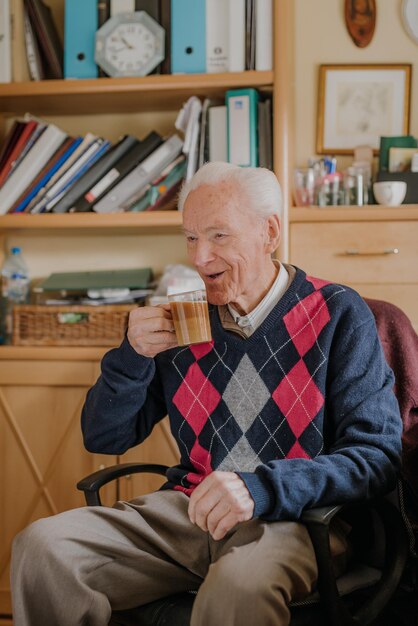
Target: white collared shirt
250,322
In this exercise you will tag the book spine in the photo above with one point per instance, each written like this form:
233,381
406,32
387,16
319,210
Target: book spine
5,43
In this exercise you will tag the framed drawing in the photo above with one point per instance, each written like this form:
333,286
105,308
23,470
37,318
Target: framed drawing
359,103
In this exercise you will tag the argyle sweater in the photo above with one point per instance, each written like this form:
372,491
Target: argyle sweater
303,410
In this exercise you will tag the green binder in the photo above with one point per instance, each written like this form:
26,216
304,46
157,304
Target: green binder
104,279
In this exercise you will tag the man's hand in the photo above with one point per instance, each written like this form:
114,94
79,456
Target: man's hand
151,330
219,503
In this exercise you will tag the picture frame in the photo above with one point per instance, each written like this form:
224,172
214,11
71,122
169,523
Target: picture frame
359,103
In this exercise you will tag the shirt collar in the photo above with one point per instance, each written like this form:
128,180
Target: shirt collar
256,317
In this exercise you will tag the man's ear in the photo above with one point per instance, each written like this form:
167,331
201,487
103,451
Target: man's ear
273,233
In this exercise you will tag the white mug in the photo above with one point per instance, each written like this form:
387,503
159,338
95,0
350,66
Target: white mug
389,192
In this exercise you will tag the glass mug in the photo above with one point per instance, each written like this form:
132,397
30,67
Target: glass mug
304,186
190,316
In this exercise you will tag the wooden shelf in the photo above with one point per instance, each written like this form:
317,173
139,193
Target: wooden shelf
59,353
353,214
149,221
112,95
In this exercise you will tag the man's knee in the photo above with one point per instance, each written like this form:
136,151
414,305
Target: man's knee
37,539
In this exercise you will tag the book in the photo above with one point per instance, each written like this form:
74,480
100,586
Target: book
236,35
45,175
5,43
188,121
33,54
217,41
157,193
138,278
265,152
20,67
249,35
263,35
165,21
10,140
71,175
80,25
95,173
24,136
30,166
218,143
47,36
122,168
242,124
125,193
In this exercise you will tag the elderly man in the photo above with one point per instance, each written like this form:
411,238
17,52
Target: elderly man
289,407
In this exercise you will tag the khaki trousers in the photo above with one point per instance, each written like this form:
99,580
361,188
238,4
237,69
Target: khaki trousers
72,569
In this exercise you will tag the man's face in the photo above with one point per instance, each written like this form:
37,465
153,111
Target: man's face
227,243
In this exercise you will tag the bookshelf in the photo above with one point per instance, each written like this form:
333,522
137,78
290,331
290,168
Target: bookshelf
51,382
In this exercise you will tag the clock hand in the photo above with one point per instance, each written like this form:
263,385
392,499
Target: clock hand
127,43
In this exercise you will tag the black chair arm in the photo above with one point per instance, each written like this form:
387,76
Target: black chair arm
317,522
92,484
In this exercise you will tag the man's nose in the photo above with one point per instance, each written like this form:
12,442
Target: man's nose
203,254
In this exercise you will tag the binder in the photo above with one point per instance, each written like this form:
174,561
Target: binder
250,34
218,145
242,123
122,168
263,35
217,43
123,195
36,67
165,21
95,173
5,43
80,25
20,67
52,166
188,36
34,161
236,35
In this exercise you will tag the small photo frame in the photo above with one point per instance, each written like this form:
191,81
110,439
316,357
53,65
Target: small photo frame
359,103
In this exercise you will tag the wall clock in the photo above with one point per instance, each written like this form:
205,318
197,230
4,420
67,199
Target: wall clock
129,44
410,18
360,19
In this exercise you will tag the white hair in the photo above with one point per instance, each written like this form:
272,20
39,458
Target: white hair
259,185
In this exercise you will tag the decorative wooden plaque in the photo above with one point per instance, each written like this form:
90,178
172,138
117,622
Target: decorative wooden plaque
360,19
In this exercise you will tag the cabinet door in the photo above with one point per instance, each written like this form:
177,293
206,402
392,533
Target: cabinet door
42,456
160,447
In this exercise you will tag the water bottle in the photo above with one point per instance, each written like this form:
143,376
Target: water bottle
14,290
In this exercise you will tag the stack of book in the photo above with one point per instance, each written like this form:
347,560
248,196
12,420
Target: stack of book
43,169
202,36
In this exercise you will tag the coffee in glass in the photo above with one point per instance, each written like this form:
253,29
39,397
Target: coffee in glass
190,316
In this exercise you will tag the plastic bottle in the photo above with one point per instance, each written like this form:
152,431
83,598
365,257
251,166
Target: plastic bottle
14,290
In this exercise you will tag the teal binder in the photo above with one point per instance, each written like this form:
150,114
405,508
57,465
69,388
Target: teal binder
80,26
188,36
242,126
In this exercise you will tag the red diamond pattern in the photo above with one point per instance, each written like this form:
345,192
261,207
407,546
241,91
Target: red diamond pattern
196,398
298,398
306,320
297,452
317,282
201,349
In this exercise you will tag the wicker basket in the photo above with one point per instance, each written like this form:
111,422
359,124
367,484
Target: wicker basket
41,325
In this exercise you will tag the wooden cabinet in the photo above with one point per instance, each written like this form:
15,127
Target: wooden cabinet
42,456
372,249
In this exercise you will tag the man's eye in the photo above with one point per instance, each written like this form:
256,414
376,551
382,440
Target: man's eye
190,239
220,235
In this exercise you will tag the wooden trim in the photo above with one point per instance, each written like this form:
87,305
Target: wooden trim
283,110
20,353
353,214
169,221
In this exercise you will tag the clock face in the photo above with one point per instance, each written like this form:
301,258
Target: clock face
129,44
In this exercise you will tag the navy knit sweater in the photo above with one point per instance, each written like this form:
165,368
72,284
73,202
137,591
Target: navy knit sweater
303,410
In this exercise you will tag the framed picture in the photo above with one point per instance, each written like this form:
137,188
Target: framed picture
359,103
